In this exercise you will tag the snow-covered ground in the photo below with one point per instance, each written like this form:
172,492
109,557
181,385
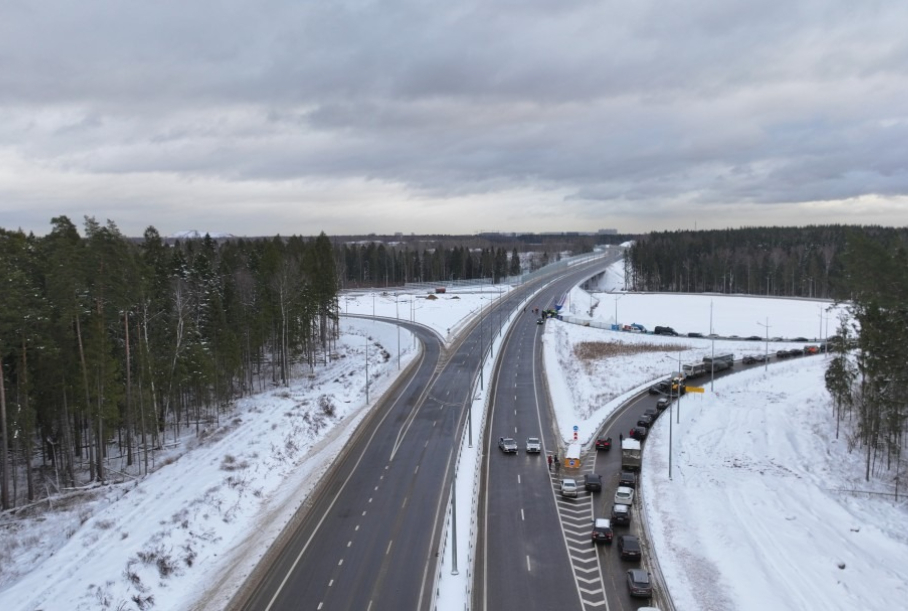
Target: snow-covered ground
748,511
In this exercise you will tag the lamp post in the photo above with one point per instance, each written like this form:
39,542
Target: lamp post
397,315
766,362
670,403
680,379
712,337
617,297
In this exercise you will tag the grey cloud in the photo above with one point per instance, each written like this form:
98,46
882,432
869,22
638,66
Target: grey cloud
611,107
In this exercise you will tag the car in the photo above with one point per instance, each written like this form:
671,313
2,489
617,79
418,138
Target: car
602,531
534,446
644,420
638,433
754,338
759,358
628,479
569,488
748,360
782,354
800,339
540,321
693,334
629,547
661,388
592,482
507,445
664,331
621,514
639,584
663,403
795,352
811,349
624,496
604,443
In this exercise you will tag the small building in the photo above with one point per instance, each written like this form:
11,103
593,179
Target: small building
572,456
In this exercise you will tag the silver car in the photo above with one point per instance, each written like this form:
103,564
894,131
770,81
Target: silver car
624,496
534,446
569,488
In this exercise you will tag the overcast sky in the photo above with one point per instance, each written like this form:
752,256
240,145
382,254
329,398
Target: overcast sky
299,116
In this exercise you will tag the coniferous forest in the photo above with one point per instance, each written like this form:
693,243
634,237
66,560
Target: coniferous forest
109,344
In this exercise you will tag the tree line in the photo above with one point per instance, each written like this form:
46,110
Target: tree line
107,343
777,261
379,264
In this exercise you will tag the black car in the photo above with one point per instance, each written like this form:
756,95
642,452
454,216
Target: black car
760,358
638,432
782,354
540,321
754,338
748,360
629,547
644,420
652,412
604,443
639,583
627,478
621,514
695,335
592,482
795,352
799,339
602,531
664,331
663,403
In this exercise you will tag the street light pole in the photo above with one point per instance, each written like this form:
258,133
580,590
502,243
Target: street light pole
397,314
712,364
671,401
680,379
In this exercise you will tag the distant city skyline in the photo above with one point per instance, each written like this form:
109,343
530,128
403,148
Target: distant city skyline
278,117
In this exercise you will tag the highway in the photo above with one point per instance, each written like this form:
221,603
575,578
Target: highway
367,538
525,560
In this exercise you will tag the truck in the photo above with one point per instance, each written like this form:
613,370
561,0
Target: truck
720,362
630,455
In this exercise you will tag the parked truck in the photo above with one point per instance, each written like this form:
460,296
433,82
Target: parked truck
630,455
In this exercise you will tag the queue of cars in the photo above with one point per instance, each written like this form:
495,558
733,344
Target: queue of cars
638,580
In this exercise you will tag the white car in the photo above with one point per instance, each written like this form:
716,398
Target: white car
534,446
624,496
569,488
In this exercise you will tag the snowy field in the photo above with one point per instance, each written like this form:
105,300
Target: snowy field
748,510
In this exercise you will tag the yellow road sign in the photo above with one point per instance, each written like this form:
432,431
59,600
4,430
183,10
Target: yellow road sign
694,389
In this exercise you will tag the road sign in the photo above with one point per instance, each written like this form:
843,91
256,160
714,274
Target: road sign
694,389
